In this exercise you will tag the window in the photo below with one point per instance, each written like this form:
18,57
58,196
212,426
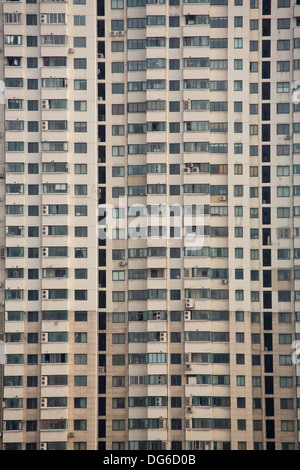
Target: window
283,212
238,43
117,46
80,105
174,85
283,3
118,424
283,66
283,108
238,85
79,42
80,63
240,337
31,41
15,18
238,21
174,64
117,89
80,316
238,64
283,87
13,40
80,359
80,402
283,23
286,382
174,21
79,20
118,130
215,22
117,4
80,84
80,147
80,337
238,232
239,295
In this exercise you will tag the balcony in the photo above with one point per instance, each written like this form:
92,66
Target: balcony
297,9
13,61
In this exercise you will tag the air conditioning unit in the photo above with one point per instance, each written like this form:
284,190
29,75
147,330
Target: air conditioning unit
43,446
223,198
43,402
44,251
186,272
224,281
71,50
157,315
45,230
186,170
44,336
186,357
163,337
71,434
45,210
120,33
113,33
288,137
122,263
100,55
44,380
187,401
45,104
164,445
45,294
2,336
161,422
188,366
189,303
2,252
101,370
43,18
188,41
187,315
44,125
189,409
195,169
186,105
187,424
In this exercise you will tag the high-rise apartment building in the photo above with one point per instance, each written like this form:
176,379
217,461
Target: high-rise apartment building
175,331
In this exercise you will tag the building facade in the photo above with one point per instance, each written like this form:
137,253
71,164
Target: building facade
175,128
